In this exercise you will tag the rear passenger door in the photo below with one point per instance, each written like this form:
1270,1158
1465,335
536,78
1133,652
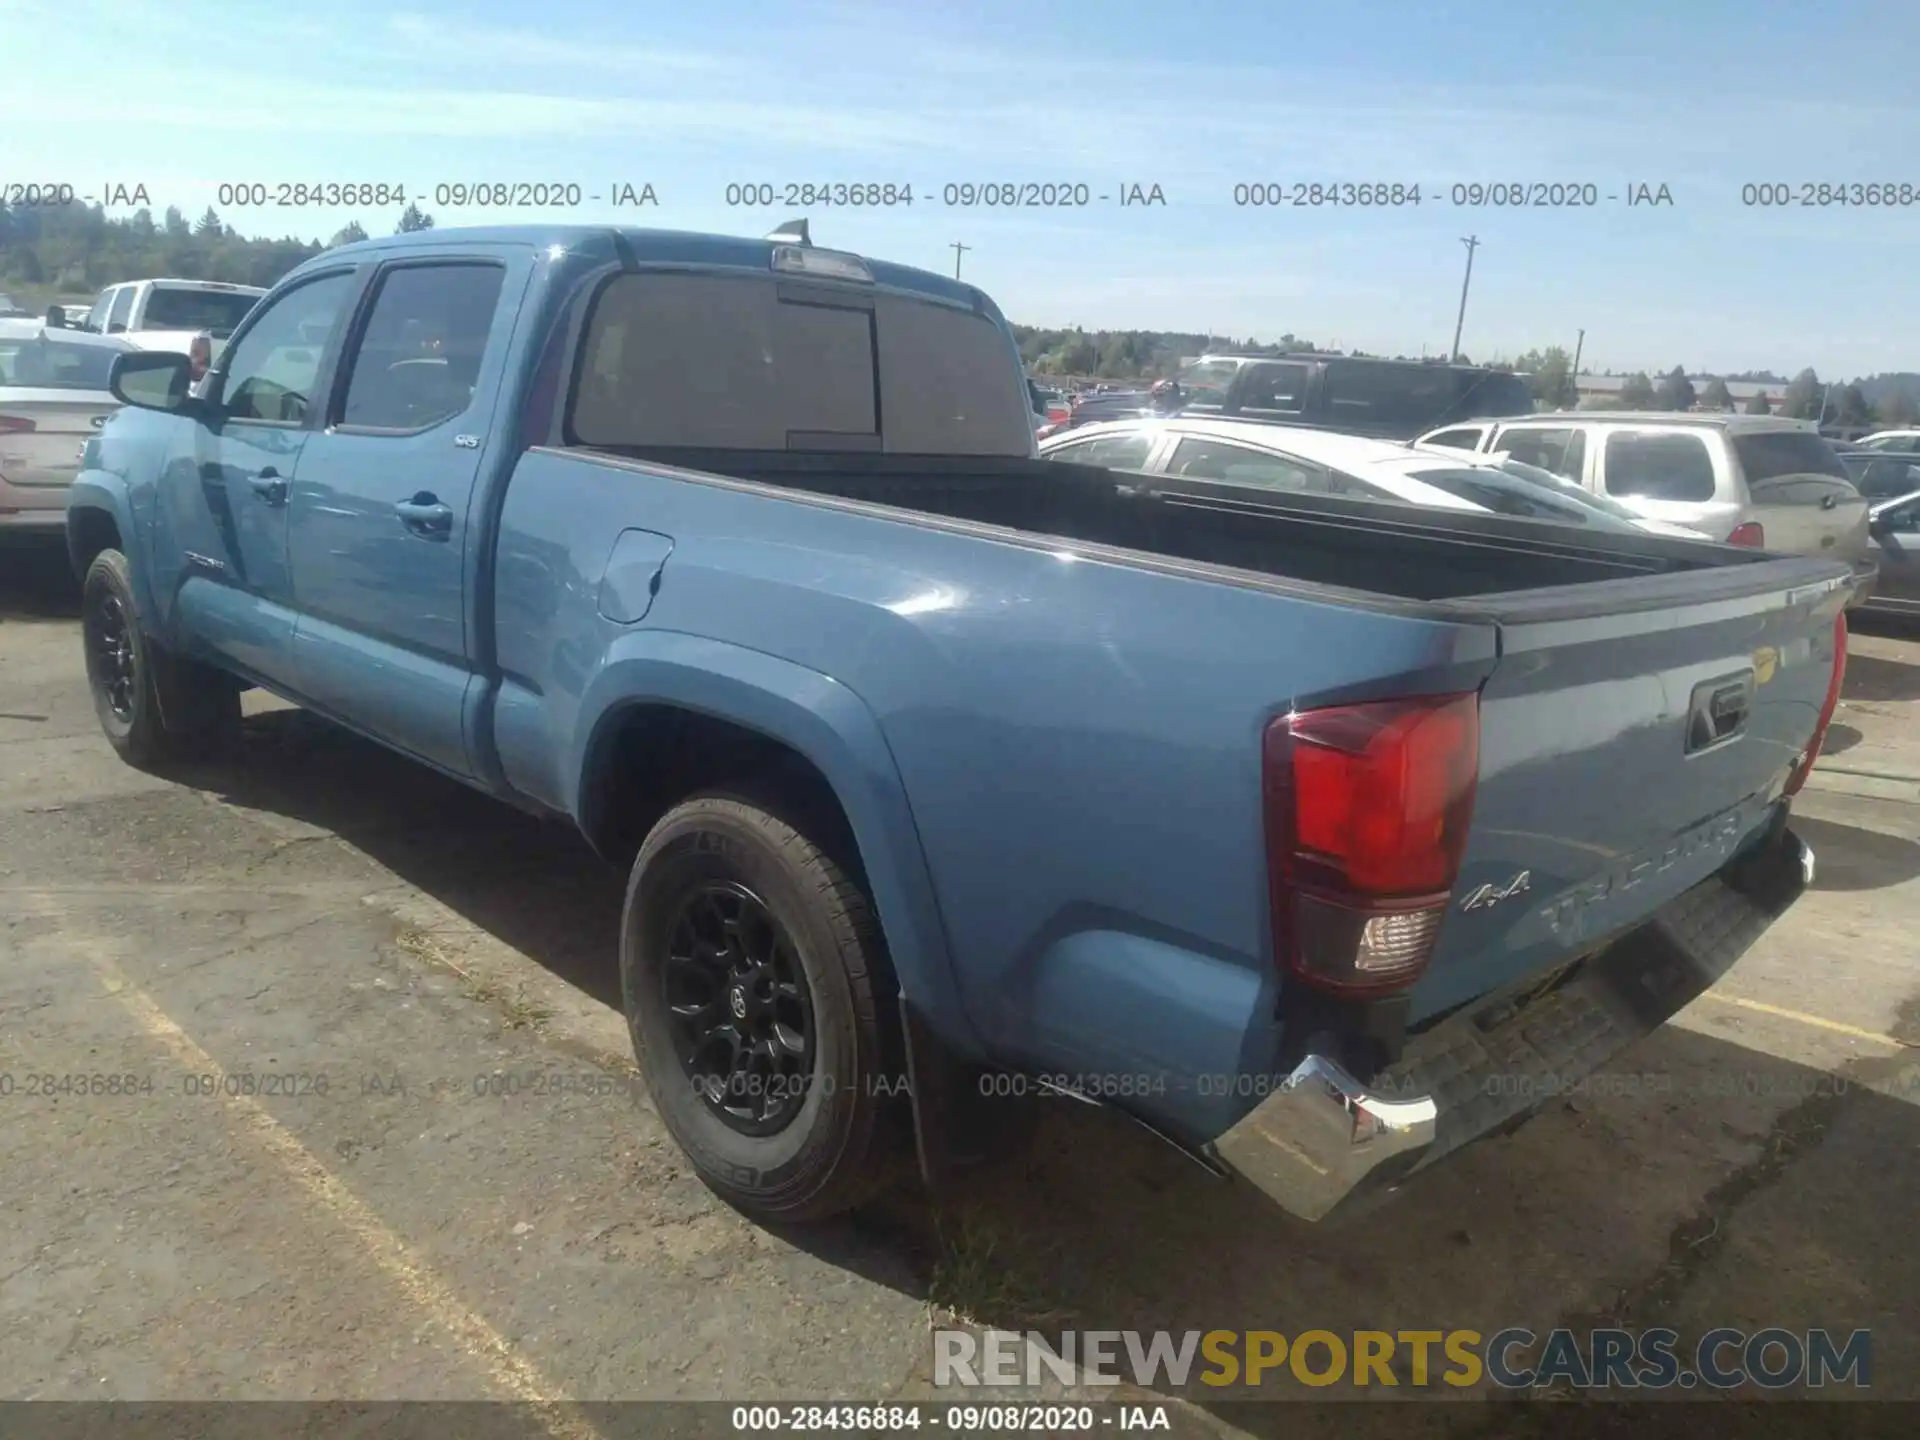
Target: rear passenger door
381,523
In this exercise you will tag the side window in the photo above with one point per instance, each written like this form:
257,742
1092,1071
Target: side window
271,369
1274,387
1221,460
1110,452
1652,465
1564,452
418,358
1889,479
1467,439
122,310
97,317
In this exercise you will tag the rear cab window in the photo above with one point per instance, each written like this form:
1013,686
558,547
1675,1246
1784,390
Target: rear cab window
736,362
180,308
1670,465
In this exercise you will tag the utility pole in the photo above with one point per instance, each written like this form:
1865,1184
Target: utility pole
1578,346
958,251
1472,242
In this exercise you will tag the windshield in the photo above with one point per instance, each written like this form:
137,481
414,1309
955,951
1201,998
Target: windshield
218,311
39,363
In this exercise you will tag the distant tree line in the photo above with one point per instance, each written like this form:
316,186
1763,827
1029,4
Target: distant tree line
75,250
72,250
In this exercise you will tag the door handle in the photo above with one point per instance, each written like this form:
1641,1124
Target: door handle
425,515
269,486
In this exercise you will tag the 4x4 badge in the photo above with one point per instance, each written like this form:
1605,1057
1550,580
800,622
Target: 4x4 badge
1488,896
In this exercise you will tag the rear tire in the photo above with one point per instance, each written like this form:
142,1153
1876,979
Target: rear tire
810,1129
129,674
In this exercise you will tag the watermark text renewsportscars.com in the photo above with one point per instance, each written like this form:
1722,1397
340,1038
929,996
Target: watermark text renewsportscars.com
1515,1358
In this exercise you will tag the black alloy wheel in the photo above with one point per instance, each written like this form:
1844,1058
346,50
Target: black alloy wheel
110,655
741,1012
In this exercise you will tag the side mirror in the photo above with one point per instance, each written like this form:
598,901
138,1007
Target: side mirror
153,380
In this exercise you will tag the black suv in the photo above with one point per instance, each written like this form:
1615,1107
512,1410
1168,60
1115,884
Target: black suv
1386,399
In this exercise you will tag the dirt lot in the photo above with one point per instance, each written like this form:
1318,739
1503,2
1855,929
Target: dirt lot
384,942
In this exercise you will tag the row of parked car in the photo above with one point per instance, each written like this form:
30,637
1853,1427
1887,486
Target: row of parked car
1298,425
54,373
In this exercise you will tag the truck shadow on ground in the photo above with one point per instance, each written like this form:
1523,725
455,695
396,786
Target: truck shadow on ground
1847,857
36,581
1875,677
1090,1223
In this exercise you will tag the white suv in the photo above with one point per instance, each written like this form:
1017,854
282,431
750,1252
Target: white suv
1746,479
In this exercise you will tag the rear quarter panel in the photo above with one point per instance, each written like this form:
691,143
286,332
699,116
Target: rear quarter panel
1077,741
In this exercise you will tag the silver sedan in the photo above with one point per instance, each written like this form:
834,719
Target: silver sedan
53,397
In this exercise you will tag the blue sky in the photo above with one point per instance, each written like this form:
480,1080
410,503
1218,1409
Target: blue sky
1194,97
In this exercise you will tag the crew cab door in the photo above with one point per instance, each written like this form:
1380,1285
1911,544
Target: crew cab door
382,524
221,531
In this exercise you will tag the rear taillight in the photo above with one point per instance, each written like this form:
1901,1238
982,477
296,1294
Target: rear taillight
1366,812
15,425
1749,533
1804,767
199,356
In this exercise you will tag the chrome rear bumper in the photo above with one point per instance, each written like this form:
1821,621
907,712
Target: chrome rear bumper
1323,1141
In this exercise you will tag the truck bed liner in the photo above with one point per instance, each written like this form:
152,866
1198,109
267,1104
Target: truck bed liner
1380,548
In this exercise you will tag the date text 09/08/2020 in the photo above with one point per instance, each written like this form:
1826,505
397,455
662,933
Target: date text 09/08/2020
1042,1419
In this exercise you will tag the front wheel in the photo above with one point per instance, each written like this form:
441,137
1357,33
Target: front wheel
128,673
751,968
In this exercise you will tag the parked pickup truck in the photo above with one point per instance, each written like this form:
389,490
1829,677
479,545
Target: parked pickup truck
195,317
1321,836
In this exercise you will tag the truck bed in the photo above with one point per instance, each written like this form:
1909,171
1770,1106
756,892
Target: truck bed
1379,549
1594,648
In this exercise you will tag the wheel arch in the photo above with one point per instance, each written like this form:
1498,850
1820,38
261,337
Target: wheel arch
670,714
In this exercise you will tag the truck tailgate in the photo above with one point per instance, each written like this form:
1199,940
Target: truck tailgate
1625,756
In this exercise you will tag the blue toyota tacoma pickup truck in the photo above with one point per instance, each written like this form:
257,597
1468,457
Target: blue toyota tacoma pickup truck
1319,836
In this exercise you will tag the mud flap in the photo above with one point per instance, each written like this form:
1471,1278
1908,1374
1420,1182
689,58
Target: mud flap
194,698
950,1120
